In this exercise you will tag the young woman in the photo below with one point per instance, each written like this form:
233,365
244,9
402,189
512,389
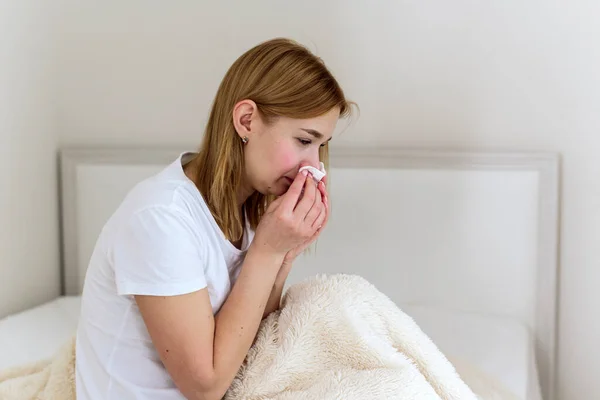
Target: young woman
195,257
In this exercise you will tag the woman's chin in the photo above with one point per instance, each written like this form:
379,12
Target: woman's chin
279,188
273,191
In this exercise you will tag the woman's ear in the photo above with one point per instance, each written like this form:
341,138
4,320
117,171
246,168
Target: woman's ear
245,114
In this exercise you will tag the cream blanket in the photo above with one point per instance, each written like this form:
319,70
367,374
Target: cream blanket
335,337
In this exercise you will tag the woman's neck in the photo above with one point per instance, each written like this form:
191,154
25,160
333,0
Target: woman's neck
244,193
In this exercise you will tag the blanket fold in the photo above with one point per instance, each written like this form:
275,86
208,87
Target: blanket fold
334,337
52,379
338,337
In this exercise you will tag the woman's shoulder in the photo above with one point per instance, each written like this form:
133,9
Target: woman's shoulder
162,202
168,189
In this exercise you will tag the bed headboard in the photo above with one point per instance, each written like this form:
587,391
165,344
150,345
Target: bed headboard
465,230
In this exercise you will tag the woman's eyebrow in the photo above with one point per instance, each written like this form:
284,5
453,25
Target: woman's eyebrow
316,134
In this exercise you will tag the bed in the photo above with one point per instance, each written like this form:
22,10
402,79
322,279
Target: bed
461,336
464,242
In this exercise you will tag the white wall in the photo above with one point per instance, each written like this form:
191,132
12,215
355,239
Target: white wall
491,75
29,271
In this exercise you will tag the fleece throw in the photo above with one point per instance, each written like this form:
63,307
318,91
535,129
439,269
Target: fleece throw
334,337
45,380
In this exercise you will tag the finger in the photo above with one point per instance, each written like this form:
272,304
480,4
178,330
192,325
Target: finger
326,204
321,219
316,232
327,214
322,189
315,210
308,198
290,198
324,195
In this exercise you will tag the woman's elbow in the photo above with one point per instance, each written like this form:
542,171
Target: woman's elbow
206,385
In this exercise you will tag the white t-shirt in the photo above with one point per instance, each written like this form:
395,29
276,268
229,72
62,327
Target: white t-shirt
162,240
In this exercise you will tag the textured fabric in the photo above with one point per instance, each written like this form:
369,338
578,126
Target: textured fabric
335,337
338,337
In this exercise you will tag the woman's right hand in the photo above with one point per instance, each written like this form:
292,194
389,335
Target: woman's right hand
293,218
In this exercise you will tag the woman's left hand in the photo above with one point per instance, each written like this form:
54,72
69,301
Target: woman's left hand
324,198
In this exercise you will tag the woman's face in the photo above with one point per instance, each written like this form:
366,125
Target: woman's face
275,152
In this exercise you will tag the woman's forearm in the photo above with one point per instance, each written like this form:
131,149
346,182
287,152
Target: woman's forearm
275,297
237,322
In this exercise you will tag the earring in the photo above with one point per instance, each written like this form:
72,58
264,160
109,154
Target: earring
245,139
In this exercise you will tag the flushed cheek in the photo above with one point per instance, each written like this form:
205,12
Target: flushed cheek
285,161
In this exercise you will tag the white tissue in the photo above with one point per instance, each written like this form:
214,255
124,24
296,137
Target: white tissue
316,174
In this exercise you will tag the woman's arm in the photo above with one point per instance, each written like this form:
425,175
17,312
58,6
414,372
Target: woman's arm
275,298
203,353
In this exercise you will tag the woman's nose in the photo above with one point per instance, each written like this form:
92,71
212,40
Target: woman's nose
313,161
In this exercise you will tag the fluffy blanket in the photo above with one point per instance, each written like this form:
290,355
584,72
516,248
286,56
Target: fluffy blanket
45,380
335,337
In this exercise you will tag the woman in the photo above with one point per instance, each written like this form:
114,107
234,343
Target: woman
197,255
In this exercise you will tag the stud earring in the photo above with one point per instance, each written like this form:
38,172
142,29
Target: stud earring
245,139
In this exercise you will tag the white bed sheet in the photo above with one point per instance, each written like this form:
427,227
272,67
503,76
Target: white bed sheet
38,332
499,347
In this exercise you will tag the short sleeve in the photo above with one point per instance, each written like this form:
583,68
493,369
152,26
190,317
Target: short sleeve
157,253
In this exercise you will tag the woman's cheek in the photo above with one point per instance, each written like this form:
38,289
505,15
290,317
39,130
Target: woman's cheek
287,159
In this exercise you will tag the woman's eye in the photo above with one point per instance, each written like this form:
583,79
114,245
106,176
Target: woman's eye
306,142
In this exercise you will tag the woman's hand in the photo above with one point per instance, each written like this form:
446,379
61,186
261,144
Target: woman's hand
292,220
323,197
321,203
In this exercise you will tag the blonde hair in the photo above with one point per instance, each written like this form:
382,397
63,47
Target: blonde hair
283,78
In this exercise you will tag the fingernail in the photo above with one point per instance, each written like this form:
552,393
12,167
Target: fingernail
305,172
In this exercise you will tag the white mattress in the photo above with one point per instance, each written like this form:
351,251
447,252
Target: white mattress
38,332
499,347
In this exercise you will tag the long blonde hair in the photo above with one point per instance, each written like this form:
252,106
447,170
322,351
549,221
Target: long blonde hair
283,78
